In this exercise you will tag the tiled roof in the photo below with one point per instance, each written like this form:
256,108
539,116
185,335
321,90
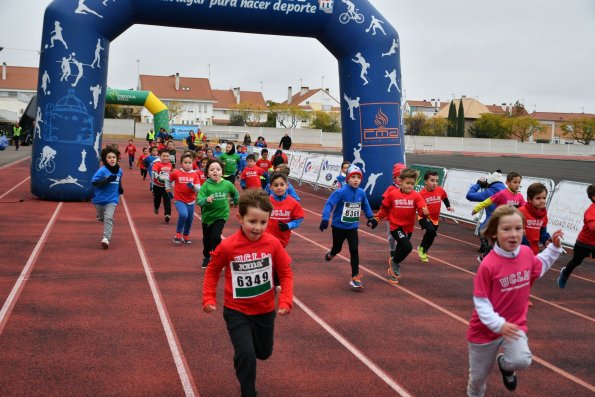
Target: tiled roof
299,98
473,108
551,116
191,88
20,78
495,109
420,104
227,100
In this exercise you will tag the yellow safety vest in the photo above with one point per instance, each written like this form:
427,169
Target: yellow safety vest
151,135
16,131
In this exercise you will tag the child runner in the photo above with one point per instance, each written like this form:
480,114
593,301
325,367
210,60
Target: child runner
131,151
161,186
266,165
249,258
231,161
214,201
108,187
585,242
250,178
535,217
485,188
242,155
217,153
141,163
283,168
340,179
287,212
202,170
347,203
171,148
210,154
434,195
153,156
186,184
400,205
501,290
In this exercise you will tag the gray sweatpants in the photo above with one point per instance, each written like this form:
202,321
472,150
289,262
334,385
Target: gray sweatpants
483,356
105,214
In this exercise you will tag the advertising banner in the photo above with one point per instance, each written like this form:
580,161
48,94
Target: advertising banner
567,208
296,165
312,168
331,167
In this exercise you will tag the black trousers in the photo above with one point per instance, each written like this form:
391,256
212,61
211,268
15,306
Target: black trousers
429,235
231,178
339,236
581,251
404,246
252,338
211,236
143,172
17,142
158,194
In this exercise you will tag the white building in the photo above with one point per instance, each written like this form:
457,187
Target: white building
18,85
227,100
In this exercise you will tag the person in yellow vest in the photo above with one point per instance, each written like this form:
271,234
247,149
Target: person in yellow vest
150,136
16,135
200,137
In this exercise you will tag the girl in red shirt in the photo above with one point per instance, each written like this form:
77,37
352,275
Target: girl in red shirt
287,212
186,185
535,215
141,163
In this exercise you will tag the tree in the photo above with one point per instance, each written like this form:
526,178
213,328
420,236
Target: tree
289,116
175,109
581,130
490,125
325,121
435,126
518,110
461,120
111,111
414,124
452,119
271,115
246,114
523,127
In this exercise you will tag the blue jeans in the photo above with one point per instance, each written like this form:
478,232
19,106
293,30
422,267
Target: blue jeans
185,217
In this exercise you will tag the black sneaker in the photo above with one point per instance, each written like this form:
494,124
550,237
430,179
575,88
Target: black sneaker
205,262
156,210
562,279
328,257
508,377
167,218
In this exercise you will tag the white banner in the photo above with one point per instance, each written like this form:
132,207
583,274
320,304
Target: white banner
331,167
312,168
289,154
457,184
567,208
296,165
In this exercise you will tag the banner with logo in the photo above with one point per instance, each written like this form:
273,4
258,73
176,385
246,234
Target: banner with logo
331,167
422,168
457,183
180,132
567,208
296,164
312,168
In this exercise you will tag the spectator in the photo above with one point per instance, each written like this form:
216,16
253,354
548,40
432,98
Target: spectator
285,142
247,140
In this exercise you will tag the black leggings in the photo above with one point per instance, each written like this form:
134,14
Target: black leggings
211,236
339,235
158,193
429,235
404,246
231,178
581,251
143,172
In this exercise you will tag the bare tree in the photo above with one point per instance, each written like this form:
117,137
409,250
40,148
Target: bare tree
523,127
289,116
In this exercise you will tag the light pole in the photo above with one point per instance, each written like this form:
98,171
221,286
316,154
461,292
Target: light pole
138,74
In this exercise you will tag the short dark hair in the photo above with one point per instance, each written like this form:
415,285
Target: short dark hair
213,161
276,175
591,191
255,199
251,157
264,151
511,175
534,189
429,173
189,155
163,150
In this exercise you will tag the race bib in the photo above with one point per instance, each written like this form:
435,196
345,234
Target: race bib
351,212
251,278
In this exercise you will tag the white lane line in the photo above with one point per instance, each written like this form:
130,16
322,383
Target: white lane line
15,186
545,363
14,162
18,286
188,384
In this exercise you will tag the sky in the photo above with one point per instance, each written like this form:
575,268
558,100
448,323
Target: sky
539,52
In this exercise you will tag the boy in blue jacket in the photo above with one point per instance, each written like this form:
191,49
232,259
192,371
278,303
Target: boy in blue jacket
108,187
347,203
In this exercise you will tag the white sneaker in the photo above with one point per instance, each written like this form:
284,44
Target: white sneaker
105,243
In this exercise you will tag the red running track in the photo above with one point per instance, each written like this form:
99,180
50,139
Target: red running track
78,320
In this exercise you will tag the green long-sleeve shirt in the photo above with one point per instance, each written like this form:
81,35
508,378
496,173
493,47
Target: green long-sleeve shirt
219,207
231,162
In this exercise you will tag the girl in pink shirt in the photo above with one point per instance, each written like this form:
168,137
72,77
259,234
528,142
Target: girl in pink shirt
501,290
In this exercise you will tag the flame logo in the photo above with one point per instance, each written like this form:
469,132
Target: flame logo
381,118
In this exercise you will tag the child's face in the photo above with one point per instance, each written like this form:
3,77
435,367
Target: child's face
514,184
254,223
203,163
154,152
250,163
279,186
210,152
538,201
164,157
264,155
217,149
344,168
354,180
130,141
170,145
406,184
228,147
145,151
509,233
431,183
214,172
111,159
187,164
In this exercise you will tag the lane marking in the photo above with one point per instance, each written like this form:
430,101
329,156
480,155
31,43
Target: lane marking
15,186
6,310
188,383
14,162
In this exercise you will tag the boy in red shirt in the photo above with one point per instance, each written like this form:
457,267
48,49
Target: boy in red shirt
249,258
287,212
434,195
161,186
535,213
400,206
250,178
585,242
131,150
141,163
266,165
186,185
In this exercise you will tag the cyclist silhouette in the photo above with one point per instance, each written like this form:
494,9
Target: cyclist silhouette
351,13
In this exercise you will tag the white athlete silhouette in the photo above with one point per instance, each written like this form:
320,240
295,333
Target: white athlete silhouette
97,59
393,49
57,35
365,65
352,103
375,24
96,145
66,181
79,66
45,79
83,9
105,2
372,181
83,167
96,91
357,158
393,79
38,120
47,154
65,66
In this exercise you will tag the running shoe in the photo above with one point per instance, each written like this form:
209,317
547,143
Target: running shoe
178,240
422,255
105,243
328,257
562,279
356,282
186,240
205,262
508,377
167,218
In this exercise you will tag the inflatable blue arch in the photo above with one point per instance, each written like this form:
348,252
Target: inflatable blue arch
73,74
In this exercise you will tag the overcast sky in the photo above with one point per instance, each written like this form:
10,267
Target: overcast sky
538,51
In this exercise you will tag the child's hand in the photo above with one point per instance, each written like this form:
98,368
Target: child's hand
557,238
451,209
190,185
373,223
510,331
209,199
323,225
283,226
209,308
283,311
473,212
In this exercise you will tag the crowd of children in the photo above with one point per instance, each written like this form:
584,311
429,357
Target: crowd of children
255,261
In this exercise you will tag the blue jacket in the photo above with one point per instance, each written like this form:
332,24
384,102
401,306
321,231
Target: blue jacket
109,193
337,200
474,194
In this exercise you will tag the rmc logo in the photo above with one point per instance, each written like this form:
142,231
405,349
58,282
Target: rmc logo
380,124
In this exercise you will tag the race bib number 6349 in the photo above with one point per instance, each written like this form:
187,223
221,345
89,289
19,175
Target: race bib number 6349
251,278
